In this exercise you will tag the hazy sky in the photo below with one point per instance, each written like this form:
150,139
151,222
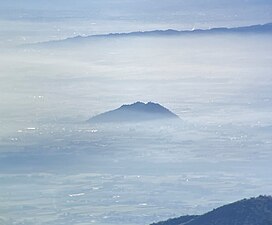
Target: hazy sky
155,4
25,21
152,10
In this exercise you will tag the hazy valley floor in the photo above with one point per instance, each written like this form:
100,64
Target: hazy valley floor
57,169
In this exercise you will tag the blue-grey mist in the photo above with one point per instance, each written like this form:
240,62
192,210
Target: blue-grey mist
55,168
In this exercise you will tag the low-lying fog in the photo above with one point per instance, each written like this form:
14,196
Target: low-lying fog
57,169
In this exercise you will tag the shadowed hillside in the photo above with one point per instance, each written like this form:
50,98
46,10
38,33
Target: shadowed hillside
254,211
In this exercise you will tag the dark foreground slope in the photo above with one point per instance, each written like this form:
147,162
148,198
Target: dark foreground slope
254,211
136,112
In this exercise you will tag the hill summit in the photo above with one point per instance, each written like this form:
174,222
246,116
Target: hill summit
253,211
136,112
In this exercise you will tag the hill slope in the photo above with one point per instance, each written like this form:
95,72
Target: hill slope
254,211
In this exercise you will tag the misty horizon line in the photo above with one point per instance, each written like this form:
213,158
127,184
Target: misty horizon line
170,29
257,28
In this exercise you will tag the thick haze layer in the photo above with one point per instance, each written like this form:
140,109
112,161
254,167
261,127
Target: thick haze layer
57,169
55,163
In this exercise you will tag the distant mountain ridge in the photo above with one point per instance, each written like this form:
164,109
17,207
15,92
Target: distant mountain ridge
253,28
259,28
136,112
253,211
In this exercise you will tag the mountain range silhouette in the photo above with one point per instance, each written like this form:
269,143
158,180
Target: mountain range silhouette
252,29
